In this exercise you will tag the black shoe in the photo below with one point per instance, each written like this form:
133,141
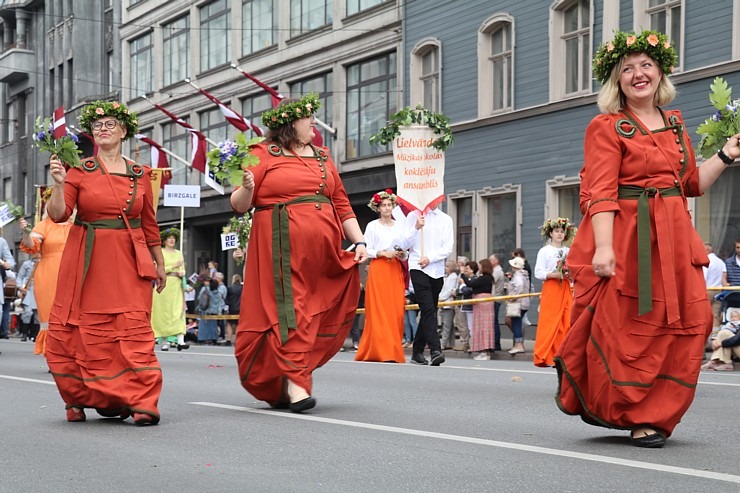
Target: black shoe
437,358
655,440
303,405
419,359
180,347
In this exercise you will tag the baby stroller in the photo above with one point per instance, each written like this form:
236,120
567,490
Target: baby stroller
730,300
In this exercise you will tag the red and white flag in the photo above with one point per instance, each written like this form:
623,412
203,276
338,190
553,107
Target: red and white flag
60,124
232,116
198,156
158,157
276,96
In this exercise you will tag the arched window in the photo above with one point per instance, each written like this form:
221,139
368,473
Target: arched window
425,68
496,65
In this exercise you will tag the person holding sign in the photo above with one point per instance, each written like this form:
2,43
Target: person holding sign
168,307
384,293
300,289
100,345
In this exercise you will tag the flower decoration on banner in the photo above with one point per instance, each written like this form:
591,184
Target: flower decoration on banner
241,225
438,122
99,109
654,43
228,160
166,233
724,123
17,212
286,113
379,197
561,222
64,147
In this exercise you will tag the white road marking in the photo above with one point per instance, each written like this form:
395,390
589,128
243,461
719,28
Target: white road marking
32,380
729,478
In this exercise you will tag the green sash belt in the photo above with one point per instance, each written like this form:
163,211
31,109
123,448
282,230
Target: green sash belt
644,269
90,236
281,260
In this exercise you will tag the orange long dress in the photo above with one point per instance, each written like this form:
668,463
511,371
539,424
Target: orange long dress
619,368
300,289
49,239
100,346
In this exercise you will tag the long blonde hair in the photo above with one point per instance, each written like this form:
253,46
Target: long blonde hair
611,98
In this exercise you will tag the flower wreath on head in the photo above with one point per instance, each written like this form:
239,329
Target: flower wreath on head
287,113
99,109
166,233
562,222
379,197
654,43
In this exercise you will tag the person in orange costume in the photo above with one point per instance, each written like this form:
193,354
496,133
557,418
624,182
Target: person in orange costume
100,345
48,239
641,316
384,292
300,288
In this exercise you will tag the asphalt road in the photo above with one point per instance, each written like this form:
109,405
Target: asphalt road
467,426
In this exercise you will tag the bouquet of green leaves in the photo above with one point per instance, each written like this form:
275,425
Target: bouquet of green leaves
438,122
228,160
724,123
17,212
64,147
241,225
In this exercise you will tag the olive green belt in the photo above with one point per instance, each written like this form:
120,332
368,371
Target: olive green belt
644,261
281,260
90,228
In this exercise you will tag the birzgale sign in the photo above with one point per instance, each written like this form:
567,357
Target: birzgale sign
182,195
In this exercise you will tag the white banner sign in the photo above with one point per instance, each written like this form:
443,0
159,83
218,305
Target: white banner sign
182,195
5,216
420,169
229,241
211,180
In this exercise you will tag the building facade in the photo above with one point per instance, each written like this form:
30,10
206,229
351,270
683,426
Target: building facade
515,78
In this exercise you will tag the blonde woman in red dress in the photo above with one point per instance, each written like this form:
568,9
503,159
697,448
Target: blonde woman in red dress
631,358
100,345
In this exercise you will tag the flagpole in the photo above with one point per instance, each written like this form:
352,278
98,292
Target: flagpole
323,125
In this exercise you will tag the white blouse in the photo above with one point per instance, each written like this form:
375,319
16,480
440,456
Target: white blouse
547,260
379,237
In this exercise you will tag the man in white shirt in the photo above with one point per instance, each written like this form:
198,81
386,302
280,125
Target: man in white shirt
429,239
715,275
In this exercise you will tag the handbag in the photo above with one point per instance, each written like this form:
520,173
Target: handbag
513,309
10,288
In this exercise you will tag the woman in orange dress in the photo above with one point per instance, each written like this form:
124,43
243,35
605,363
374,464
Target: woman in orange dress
48,239
384,293
300,288
100,345
631,358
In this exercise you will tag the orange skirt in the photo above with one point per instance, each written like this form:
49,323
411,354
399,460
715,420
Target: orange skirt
107,364
554,320
384,305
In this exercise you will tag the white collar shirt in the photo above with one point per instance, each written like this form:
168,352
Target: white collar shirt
438,239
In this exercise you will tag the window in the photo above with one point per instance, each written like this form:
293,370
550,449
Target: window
70,98
570,57
25,194
735,29
10,123
176,50
214,125
464,227
21,116
258,24
354,6
214,35
717,213
563,198
501,211
141,65
177,140
254,106
307,15
8,189
663,16
424,67
321,85
495,65
371,100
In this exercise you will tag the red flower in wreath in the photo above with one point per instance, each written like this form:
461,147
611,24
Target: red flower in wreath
389,191
376,199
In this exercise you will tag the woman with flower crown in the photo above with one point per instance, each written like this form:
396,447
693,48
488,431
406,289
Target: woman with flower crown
168,307
300,287
100,345
384,291
631,358
557,297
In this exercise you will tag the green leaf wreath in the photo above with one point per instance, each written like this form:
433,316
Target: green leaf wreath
241,225
724,123
438,122
65,147
228,160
